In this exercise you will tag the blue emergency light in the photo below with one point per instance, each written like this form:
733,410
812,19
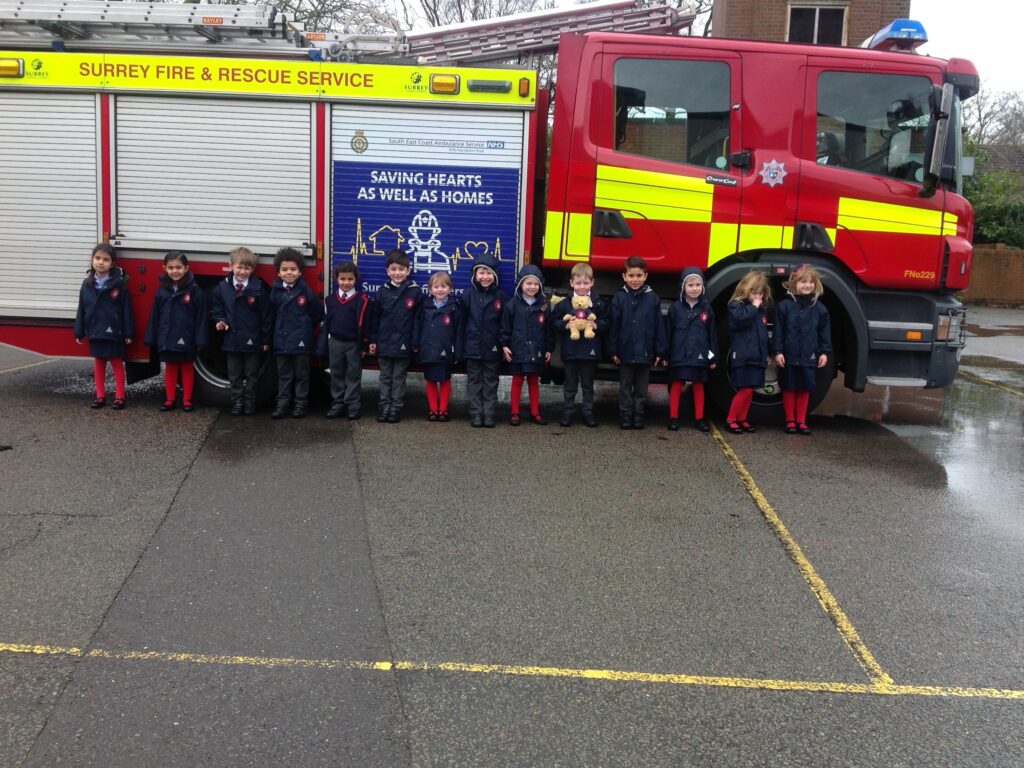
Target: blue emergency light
900,35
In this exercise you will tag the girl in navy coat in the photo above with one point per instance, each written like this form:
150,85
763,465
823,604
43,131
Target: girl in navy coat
748,345
436,337
688,345
802,342
177,328
482,303
105,317
526,340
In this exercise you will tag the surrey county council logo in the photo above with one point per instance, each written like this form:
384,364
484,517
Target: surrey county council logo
37,64
415,82
773,173
359,143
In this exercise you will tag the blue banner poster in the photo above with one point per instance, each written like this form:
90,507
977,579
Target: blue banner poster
441,216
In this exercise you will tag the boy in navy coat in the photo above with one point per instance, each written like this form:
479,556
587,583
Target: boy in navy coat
636,315
482,304
580,357
394,318
241,312
297,310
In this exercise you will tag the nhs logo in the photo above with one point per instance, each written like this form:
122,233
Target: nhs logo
495,144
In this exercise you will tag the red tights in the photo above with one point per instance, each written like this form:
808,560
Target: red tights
438,393
675,389
794,405
740,405
532,386
188,379
99,375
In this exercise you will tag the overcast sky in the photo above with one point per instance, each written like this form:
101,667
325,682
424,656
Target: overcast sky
985,31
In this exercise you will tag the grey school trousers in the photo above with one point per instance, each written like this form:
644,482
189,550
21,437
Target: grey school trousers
346,373
482,387
393,371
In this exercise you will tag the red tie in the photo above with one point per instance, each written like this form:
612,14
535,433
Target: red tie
238,287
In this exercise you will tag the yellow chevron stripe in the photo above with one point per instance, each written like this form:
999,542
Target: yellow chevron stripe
871,216
650,195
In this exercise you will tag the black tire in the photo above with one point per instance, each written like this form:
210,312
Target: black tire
212,377
767,404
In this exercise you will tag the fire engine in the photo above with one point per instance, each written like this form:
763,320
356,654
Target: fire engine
160,127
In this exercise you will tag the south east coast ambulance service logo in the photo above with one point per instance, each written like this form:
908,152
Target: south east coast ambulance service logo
359,143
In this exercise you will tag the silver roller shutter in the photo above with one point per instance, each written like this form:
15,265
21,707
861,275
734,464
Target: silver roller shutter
49,217
212,174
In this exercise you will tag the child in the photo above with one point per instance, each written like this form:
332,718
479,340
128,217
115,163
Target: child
437,331
526,340
177,328
482,306
632,334
394,317
346,333
105,317
748,351
689,346
802,342
580,357
296,311
241,311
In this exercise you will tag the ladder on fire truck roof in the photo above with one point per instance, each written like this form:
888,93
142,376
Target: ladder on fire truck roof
262,30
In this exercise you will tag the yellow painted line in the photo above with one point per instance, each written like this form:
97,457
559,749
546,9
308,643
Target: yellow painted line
826,599
24,367
982,380
607,675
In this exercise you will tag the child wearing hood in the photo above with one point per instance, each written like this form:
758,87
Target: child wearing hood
105,317
482,305
748,345
526,340
632,335
296,311
177,328
689,346
802,342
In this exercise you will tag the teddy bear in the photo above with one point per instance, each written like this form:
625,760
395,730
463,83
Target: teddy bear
579,317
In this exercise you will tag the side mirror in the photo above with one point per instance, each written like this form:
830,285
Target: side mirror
941,102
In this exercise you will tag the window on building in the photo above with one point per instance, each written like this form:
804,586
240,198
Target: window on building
820,25
873,123
673,110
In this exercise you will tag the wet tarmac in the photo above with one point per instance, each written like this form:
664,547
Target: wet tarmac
192,589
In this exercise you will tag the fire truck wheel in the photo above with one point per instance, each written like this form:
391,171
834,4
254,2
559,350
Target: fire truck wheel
212,379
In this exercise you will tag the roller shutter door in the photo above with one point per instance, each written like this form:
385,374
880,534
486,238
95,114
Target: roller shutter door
444,185
49,218
212,174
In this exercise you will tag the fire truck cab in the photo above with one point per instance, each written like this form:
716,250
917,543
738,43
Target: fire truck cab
734,155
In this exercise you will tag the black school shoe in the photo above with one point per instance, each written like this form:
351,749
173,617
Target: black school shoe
566,420
394,416
701,425
335,412
638,422
99,402
589,420
673,425
625,421
353,415
279,412
477,422
237,408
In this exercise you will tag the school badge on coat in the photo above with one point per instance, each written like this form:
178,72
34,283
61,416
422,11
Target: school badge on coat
409,303
115,293
187,298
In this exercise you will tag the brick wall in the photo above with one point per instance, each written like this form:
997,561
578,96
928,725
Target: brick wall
768,19
997,276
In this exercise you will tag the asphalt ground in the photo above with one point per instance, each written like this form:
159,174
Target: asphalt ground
192,589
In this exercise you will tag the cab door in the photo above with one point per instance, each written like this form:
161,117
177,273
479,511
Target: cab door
866,130
665,186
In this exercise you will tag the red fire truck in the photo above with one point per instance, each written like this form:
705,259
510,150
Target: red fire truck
725,154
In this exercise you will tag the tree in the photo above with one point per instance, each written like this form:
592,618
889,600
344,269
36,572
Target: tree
994,124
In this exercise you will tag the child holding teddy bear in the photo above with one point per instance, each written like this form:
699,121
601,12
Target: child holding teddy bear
581,352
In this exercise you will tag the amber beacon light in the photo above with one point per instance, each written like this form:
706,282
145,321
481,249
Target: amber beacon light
444,84
12,67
